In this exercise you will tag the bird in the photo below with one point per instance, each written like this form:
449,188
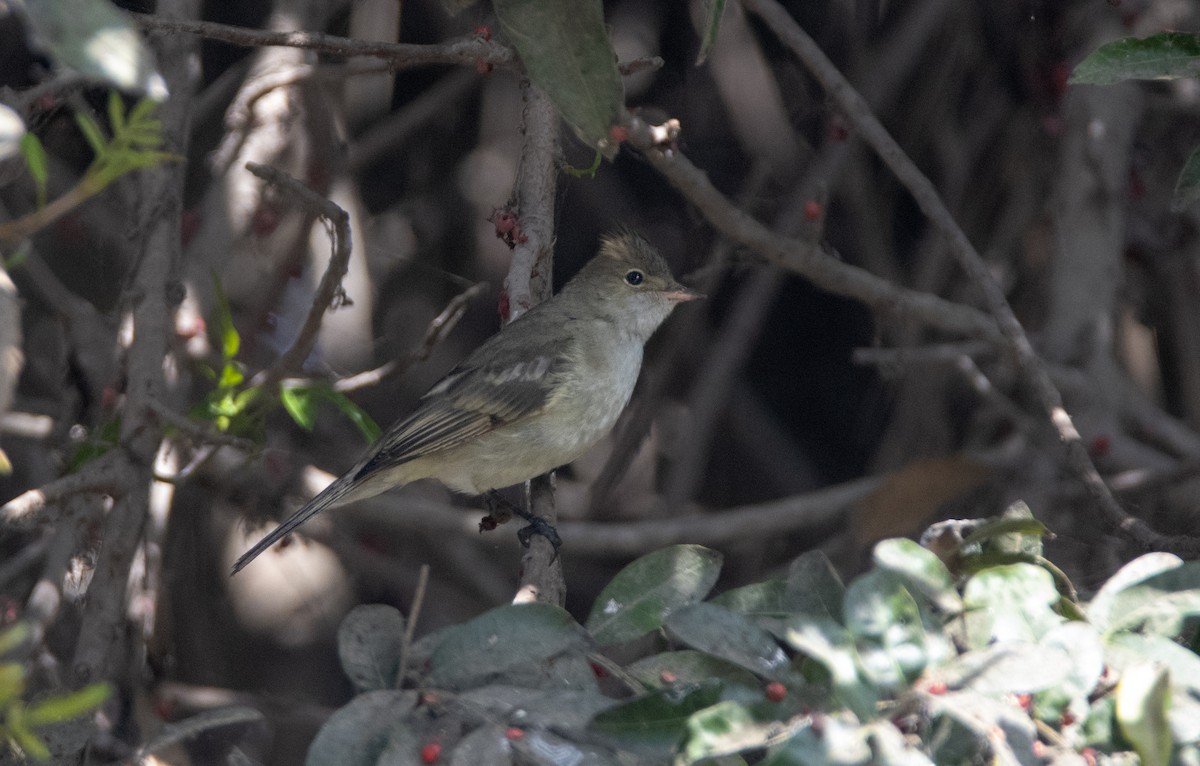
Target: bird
533,397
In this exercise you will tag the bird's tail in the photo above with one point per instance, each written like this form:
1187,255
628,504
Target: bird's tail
333,495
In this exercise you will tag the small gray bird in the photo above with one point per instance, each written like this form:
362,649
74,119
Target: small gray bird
533,397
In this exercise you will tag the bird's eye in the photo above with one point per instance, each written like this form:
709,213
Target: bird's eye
634,277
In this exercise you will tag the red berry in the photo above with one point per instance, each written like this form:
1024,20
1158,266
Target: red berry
837,129
265,220
512,733
1039,749
504,307
776,691
599,671
431,753
618,133
937,687
1067,719
1100,446
483,67
484,31
667,677
813,211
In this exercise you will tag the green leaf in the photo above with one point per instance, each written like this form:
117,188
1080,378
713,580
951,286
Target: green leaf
13,636
1187,187
655,722
68,706
1010,603
365,423
357,734
760,599
691,666
726,727
12,681
885,621
713,10
567,53
502,640
368,642
814,588
19,730
833,647
1157,604
300,403
231,341
642,594
92,134
1142,698
116,112
921,570
730,636
35,159
838,743
1165,56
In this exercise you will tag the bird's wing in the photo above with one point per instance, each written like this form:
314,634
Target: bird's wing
477,397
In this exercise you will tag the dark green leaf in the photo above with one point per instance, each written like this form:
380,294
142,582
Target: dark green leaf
1187,187
486,745
691,666
1165,56
713,10
566,52
837,744
369,641
814,588
833,647
642,594
357,734
500,641
657,721
730,636
762,599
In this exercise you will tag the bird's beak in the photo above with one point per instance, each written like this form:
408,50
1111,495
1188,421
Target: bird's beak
679,294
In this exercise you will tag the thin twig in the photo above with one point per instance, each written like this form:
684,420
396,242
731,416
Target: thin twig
868,126
411,627
801,257
438,329
469,51
107,475
330,287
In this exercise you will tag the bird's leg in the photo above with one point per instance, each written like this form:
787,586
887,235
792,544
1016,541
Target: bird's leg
500,510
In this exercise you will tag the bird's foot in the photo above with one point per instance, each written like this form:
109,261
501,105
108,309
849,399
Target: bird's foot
500,511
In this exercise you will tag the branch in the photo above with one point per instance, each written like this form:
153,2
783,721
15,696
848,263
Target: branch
469,51
529,282
801,257
330,288
109,474
859,113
